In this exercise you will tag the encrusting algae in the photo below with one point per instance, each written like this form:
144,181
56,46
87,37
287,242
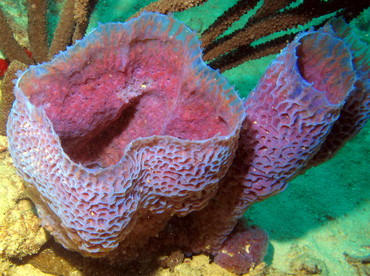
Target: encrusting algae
21,233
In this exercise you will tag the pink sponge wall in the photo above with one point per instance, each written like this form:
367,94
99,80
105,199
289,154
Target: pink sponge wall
121,132
138,77
288,117
129,142
356,110
292,109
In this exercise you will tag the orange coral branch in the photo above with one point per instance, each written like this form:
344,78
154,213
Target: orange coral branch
168,6
64,31
9,45
82,12
273,16
247,52
7,96
37,33
223,22
248,34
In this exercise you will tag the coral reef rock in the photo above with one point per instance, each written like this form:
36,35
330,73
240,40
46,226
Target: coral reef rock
21,233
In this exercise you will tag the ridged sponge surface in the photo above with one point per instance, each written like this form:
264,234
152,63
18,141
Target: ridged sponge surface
292,110
122,131
289,116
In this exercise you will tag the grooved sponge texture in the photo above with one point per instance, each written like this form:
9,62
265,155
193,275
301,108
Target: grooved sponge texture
129,123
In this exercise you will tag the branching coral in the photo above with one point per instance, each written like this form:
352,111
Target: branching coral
71,27
272,16
7,95
222,53
9,45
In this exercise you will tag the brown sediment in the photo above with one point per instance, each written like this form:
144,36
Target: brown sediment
175,258
37,33
7,96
